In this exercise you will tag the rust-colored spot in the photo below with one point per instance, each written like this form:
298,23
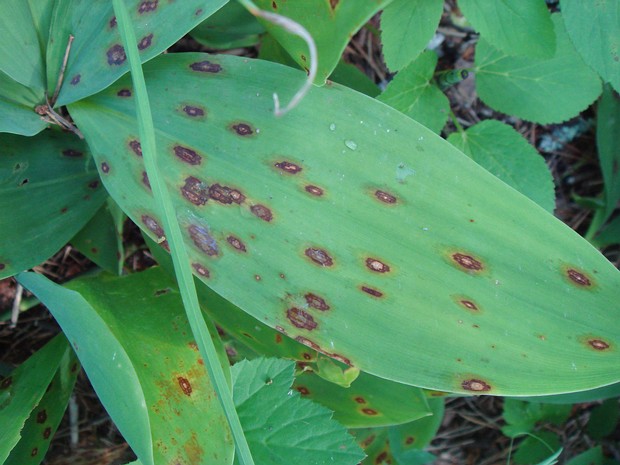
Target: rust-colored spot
341,358
145,42
381,458
304,391
34,451
193,111
135,146
371,291
203,240
187,155
598,344
307,356
2,266
116,55
47,432
274,5
377,265
153,225
105,168
368,441
308,342
72,153
186,387
314,190
76,79
42,416
334,3
282,275
146,6
262,212
467,261
145,180
409,440
206,67
469,305
195,191
301,319
112,22
315,301
360,400
278,338
124,93
236,243
369,411
93,184
6,382
201,270
288,167
476,385
385,197
243,129
578,277
225,194
319,256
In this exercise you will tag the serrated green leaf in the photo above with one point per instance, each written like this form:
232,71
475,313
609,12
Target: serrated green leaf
594,28
406,28
49,189
134,342
608,143
282,428
520,27
505,153
366,237
413,92
552,459
540,90
230,27
604,419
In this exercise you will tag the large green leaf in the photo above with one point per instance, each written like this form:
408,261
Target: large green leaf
134,342
49,189
520,27
360,233
17,103
536,89
594,28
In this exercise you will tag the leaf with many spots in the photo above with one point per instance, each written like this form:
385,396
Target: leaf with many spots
360,233
49,189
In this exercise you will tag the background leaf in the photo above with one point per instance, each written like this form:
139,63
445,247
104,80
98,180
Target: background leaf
604,419
540,90
608,143
17,104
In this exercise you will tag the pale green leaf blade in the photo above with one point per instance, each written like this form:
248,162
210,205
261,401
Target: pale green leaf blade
594,28
134,343
413,92
366,237
49,189
406,28
540,90
608,143
505,153
17,108
522,27
282,428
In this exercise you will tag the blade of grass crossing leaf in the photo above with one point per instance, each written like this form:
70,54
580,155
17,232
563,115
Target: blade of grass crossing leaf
171,226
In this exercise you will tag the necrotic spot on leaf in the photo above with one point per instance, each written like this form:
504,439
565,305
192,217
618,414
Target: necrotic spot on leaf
201,270
186,387
476,385
369,411
193,111
315,301
467,261
598,344
368,441
149,5
93,184
145,180
243,129
34,451
307,356
187,155
385,197
195,191
307,342
304,391
152,225
124,93
236,243
360,400
288,167
409,440
262,212
2,266
203,240
105,168
341,358
47,432
225,194
72,153
319,256
76,79
301,319
206,67
376,265
372,292
116,55
135,147
112,22
314,190
578,277
334,3
145,42
42,416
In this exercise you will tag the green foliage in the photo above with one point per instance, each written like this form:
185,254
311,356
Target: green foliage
604,419
608,143
521,416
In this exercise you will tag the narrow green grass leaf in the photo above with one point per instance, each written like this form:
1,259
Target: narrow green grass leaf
608,143
540,90
406,28
505,153
281,427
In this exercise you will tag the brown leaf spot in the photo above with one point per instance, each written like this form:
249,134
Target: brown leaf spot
307,356
193,111
262,212
145,180
385,197
93,184
469,305
187,155
376,265
598,344
195,191
146,6
74,367
203,240
409,440
105,168
186,387
278,338
116,55
578,277
334,3
314,190
2,266
476,385
257,277
72,153
135,146
153,225
225,195
360,400
145,42
301,319
47,432
236,243
319,256
341,358
308,343
206,67
304,391
317,302
274,5
368,441
371,291
201,270
112,22
76,79
369,411
243,129
42,416
124,93
6,382
34,451
288,167
467,261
